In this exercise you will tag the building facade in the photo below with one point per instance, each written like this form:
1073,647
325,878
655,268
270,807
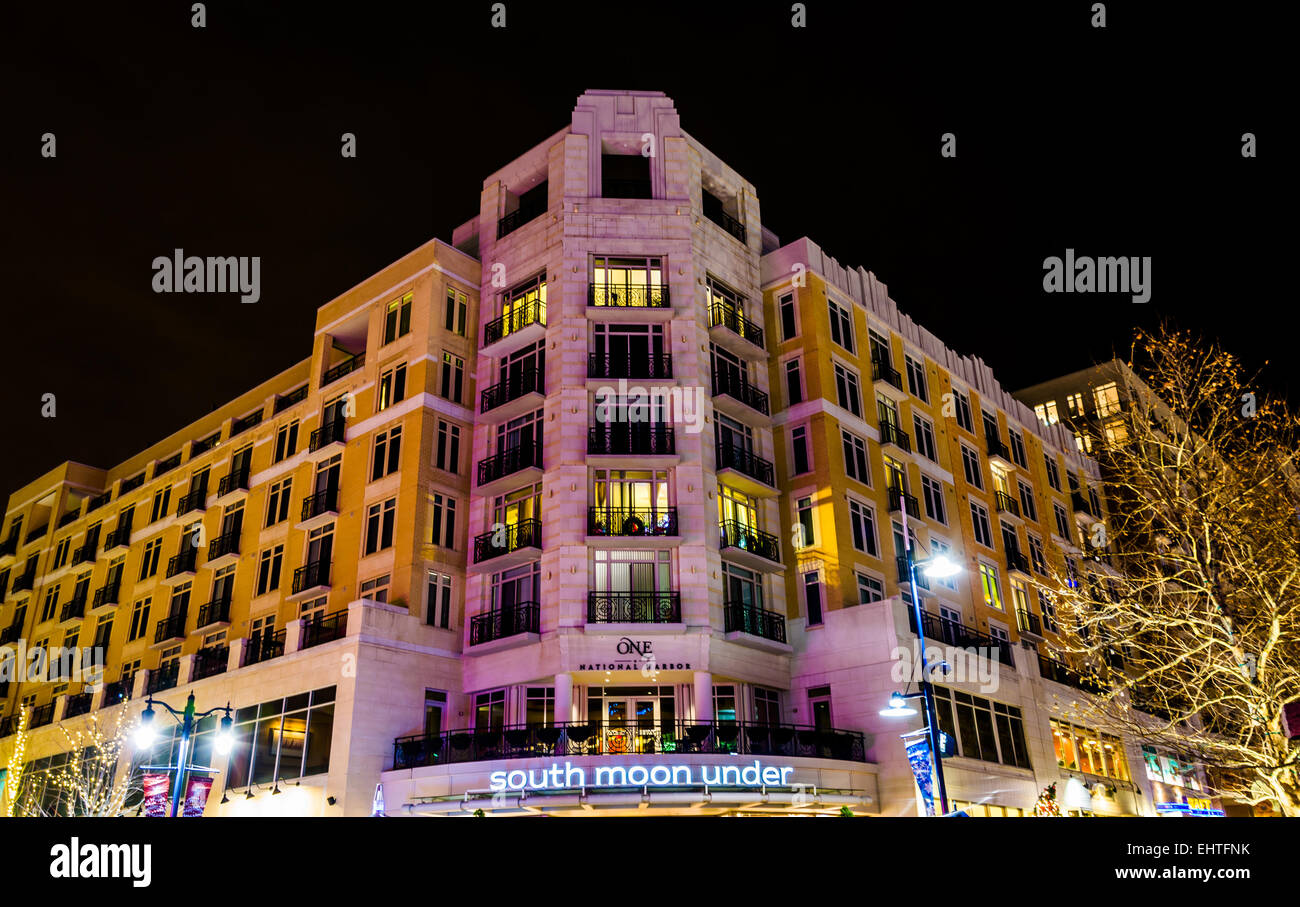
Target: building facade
601,508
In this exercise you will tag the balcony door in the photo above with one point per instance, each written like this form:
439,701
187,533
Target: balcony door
517,506
516,587
232,520
624,494
523,435
729,371
632,572
241,461
895,477
733,435
522,370
320,545
626,281
744,587
327,477
630,419
627,350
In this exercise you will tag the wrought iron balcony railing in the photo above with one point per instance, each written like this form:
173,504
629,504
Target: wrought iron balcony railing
117,691
331,431
287,400
1028,622
210,661
883,371
633,522
641,736
320,503
170,627
1017,561
346,367
217,611
42,715
737,386
233,481
311,575
77,704
324,628
193,500
726,222
634,607
898,498
120,537
108,593
511,222
521,617
1006,503
632,439
24,581
75,607
226,543
892,434
735,534
163,678
1052,669
734,321
751,619
1080,503
185,561
9,546
527,380
905,575
746,462
263,647
516,319
955,633
508,462
997,449
632,295
652,366
85,553
509,537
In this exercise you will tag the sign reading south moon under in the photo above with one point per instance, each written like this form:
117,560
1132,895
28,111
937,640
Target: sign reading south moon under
570,776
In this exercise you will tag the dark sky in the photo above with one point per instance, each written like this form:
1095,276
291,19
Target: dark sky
225,141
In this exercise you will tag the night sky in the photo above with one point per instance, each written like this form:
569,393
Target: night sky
225,141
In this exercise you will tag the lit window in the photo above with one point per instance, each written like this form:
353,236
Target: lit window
1046,413
1106,398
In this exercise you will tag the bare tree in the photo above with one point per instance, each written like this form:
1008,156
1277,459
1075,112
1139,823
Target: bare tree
91,781
1193,620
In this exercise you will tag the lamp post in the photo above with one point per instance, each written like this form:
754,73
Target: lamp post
937,567
188,718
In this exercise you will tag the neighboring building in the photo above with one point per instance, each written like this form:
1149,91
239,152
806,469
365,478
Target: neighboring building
630,525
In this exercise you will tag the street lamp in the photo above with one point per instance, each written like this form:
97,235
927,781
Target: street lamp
145,736
938,566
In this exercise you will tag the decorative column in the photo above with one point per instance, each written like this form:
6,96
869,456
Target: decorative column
563,697
703,696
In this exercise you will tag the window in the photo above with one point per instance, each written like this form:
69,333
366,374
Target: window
1046,413
879,348
281,739
435,704
447,457
1027,508
862,521
1062,521
268,572
286,441
962,404
277,502
980,520
149,563
812,597
1036,555
804,523
785,306
841,324
397,319
970,462
846,387
870,589
1094,501
940,547
490,710
51,605
387,454
983,729
855,458
1048,608
799,445
916,379
767,706
932,493
376,590
1074,403
990,426
392,385
457,307
1017,448
1116,433
443,521
161,499
61,552
139,619
1053,474
380,519
1083,442
924,438
1083,750
989,583
793,382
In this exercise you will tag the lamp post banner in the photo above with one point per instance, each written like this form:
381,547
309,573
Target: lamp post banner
196,796
918,755
155,786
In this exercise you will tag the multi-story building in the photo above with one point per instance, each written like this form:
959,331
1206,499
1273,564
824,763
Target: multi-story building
599,508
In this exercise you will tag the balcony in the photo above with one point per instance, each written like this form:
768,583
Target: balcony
648,367
86,553
287,400
956,634
882,373
999,455
742,617
898,499
346,367
170,629
311,578
892,434
232,483
509,539
224,548
193,501
324,628
9,547
210,662
524,385
634,607
36,533
730,329
24,581
325,438
1028,623
183,564
725,221
628,522
643,736
77,704
746,470
1051,669
748,546
74,608
1082,508
522,617
734,395
107,594
629,296
1018,563
10,634
117,692
905,575
120,537
523,323
1005,503
632,439
319,507
163,678
69,516
529,209
42,715
509,462
215,613
263,647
